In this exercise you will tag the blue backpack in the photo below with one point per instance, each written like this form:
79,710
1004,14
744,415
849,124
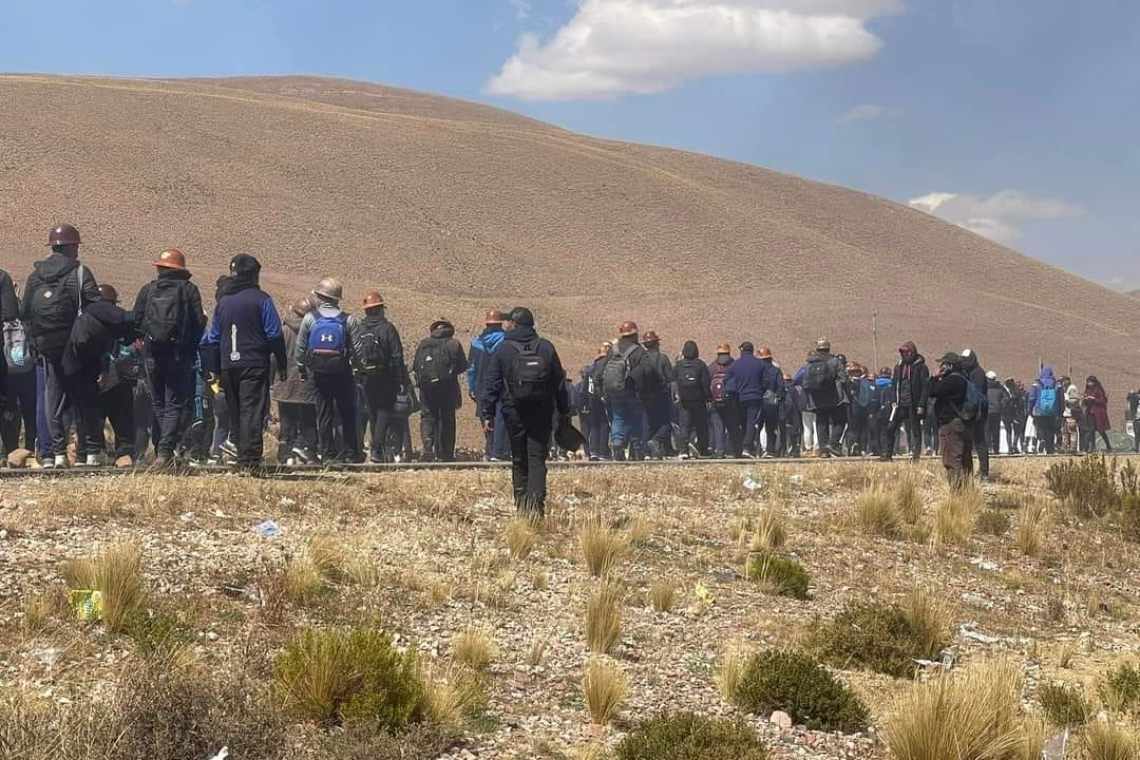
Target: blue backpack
977,404
328,344
1046,403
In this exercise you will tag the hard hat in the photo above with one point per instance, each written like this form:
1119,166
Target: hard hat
854,367
724,348
330,289
764,353
991,375
627,329
108,293
302,307
63,234
650,337
171,258
823,344
604,350
373,299
441,322
493,317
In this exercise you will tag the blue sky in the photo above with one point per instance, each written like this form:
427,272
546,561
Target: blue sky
1016,118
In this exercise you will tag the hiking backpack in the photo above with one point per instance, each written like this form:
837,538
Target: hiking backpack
689,380
716,387
976,405
327,346
433,364
616,372
530,373
1046,402
865,396
17,352
372,354
54,313
164,318
820,374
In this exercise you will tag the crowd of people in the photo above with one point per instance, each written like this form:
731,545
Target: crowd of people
196,388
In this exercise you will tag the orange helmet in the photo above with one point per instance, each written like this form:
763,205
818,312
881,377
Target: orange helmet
764,353
650,337
171,258
63,234
627,329
604,349
373,299
854,368
302,307
493,317
724,348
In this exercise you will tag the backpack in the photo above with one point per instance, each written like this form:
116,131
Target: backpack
716,387
529,374
689,380
164,318
820,374
372,354
17,352
865,396
1046,403
976,405
327,347
615,374
54,313
128,363
433,364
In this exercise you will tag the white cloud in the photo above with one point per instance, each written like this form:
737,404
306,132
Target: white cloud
870,112
999,217
522,9
612,48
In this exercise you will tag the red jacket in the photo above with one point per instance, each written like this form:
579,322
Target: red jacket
1096,406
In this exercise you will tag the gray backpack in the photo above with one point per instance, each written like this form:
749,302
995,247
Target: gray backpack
616,372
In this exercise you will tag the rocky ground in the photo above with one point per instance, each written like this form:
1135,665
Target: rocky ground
439,564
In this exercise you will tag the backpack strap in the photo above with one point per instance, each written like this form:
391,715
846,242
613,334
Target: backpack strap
79,290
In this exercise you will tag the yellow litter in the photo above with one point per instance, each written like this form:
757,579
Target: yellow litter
88,605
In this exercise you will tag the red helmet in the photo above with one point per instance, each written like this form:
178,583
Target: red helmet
651,337
63,234
373,299
108,293
493,317
171,258
627,329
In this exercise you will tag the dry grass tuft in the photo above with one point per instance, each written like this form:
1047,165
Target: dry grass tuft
731,671
908,498
1031,523
38,610
603,617
929,621
474,648
639,529
117,575
521,538
1030,745
540,580
662,594
955,517
1106,740
451,696
876,512
605,689
303,581
330,557
538,646
971,714
602,548
771,530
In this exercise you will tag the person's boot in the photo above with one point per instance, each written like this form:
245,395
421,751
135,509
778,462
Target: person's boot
618,453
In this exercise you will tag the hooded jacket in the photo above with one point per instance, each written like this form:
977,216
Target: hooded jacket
497,392
690,353
295,389
1046,380
998,397
391,346
949,394
443,337
9,305
749,378
658,375
477,361
193,318
95,335
245,330
911,379
640,373
56,268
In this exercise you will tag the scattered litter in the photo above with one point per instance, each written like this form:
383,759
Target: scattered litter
750,483
46,656
268,529
187,517
223,753
703,594
88,604
992,567
1056,746
287,502
219,513
977,600
968,630
949,657
797,480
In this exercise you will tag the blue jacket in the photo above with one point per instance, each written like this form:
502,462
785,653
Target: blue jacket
246,313
748,378
481,349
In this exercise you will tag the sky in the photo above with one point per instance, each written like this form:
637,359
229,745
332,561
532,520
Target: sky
1017,119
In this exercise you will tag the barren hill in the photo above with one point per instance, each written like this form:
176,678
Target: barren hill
447,207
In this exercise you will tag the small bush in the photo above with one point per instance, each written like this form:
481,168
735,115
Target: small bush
972,714
799,686
1087,484
1120,690
329,676
474,648
876,511
364,742
157,631
685,736
1030,524
603,618
1109,741
521,538
955,517
1064,706
778,575
874,636
602,548
993,523
605,689
662,595
117,575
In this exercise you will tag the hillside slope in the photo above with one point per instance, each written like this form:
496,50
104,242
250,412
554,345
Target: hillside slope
448,207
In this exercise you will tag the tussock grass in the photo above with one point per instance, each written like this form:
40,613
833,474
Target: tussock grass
1064,705
537,652
662,594
956,516
876,512
639,529
604,617
1032,520
929,620
303,580
1031,743
117,575
908,498
602,548
969,714
771,531
330,557
540,579
37,614
728,676
474,648
605,688
1106,740
450,696
521,538
779,576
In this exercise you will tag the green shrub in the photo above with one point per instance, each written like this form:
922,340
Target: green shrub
685,736
778,575
1064,706
157,631
993,523
332,676
873,636
1088,484
1121,689
364,742
801,687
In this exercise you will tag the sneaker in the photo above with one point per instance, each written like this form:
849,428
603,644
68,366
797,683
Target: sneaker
61,462
299,455
47,463
694,452
655,450
97,460
229,449
161,461
124,461
682,457
746,454
397,459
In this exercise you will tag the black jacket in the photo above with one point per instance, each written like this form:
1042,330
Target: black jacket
691,353
95,335
54,268
949,394
193,317
9,306
448,390
391,347
918,375
657,375
497,391
640,373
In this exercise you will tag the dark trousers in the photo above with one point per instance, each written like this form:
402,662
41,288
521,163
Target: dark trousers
247,398
200,435
437,425
336,399
906,416
56,402
659,423
880,433
142,414
298,429
83,390
43,430
751,417
769,422
993,433
598,429
952,442
495,444
529,435
381,394
976,444
117,404
171,378
20,411
693,417
1047,433
858,431
829,424
727,438
399,441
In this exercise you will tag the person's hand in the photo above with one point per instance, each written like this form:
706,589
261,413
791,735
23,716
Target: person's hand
921,411
283,374
302,372
488,426
102,379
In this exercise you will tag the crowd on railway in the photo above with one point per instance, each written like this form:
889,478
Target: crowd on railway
198,389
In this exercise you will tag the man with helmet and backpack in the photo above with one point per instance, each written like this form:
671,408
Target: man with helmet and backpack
594,410
328,350
824,379
656,394
168,311
385,373
55,295
727,438
438,365
526,380
694,390
623,380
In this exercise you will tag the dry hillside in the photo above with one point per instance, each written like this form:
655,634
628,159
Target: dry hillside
448,207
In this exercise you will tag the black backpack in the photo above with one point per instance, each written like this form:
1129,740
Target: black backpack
164,318
54,312
689,385
820,374
372,353
433,364
529,376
